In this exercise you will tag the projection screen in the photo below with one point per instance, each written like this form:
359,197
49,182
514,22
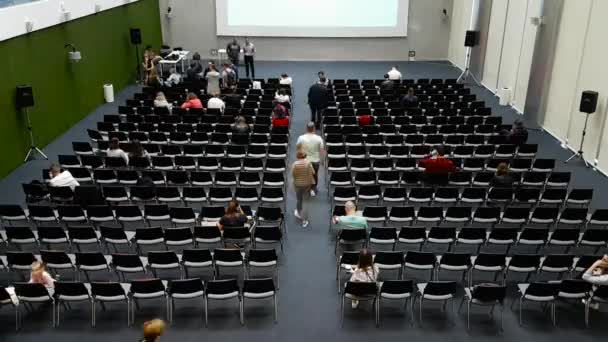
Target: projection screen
312,18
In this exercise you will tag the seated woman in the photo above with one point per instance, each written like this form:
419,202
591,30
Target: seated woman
192,101
114,150
161,101
234,216
365,271
597,274
137,150
502,178
39,275
280,116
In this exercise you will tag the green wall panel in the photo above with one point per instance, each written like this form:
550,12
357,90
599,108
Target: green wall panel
65,92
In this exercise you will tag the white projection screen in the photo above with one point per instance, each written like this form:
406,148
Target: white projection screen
312,18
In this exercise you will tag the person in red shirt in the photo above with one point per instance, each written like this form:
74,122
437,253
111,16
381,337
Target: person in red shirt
192,101
437,166
280,116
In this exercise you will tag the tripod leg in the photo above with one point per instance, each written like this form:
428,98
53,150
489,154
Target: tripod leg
41,153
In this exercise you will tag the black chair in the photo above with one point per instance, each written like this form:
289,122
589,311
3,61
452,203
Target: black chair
5,299
57,261
545,293
351,237
71,292
436,291
197,258
231,258
259,289
147,289
127,263
397,290
186,289
33,293
456,262
223,290
484,295
360,291
574,289
91,262
421,261
162,261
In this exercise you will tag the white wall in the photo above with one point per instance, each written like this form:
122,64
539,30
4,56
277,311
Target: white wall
192,26
580,64
48,13
461,22
511,41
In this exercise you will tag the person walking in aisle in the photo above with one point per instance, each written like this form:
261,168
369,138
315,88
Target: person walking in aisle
303,179
233,50
249,53
318,98
312,144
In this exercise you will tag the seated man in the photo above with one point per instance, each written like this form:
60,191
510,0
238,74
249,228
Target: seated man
436,166
387,86
351,220
518,135
59,178
216,103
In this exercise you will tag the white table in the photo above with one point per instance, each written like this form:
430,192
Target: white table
182,56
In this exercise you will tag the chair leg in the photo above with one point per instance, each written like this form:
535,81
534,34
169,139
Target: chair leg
92,313
502,309
206,311
242,310
17,318
420,310
469,315
520,310
342,311
276,313
55,308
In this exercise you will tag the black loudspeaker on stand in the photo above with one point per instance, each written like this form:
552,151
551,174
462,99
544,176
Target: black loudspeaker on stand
470,40
25,99
135,34
588,106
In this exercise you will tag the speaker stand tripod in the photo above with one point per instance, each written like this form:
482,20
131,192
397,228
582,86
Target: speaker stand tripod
33,148
579,154
466,74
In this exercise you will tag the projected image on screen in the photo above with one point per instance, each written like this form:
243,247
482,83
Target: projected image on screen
312,18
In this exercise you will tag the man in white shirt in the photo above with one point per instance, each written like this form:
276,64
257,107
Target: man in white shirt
216,103
285,79
249,53
173,79
394,74
59,178
312,144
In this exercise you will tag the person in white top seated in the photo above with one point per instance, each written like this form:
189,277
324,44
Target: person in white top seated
161,101
281,96
216,103
114,150
285,79
60,179
365,271
394,74
312,144
174,78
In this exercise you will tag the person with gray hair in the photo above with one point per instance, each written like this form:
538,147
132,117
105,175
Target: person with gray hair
351,220
174,78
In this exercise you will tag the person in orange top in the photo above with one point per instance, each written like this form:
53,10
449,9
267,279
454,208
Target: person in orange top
280,116
192,101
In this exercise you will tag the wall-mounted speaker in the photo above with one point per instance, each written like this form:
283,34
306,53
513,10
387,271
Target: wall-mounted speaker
588,101
135,36
471,38
25,96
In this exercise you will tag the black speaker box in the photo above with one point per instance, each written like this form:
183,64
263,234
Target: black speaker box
25,96
135,36
588,101
470,38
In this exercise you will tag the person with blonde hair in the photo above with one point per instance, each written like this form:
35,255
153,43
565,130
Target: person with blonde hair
153,330
39,275
303,180
161,101
502,178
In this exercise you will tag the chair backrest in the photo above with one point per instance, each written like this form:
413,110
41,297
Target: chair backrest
31,291
90,259
361,288
541,289
489,293
227,255
107,289
262,255
258,285
70,289
225,286
574,286
126,260
186,286
420,258
397,286
162,258
353,234
147,286
388,258
440,288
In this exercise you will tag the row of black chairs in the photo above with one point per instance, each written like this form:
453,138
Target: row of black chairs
486,216
138,290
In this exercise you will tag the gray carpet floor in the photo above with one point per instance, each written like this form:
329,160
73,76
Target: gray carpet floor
308,301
